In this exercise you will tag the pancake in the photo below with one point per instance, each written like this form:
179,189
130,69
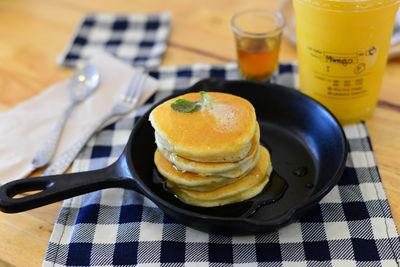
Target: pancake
222,133
240,196
244,188
187,180
223,169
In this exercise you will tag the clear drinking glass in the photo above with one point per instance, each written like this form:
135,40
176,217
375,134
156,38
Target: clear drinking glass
258,36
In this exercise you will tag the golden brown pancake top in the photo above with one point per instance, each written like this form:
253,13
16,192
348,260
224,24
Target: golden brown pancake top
228,127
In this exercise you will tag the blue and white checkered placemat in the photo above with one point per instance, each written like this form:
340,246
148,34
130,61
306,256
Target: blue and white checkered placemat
138,39
351,226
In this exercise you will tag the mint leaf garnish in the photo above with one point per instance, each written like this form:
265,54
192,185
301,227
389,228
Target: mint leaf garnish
186,106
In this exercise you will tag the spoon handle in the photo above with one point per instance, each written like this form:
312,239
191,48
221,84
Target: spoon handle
49,147
62,163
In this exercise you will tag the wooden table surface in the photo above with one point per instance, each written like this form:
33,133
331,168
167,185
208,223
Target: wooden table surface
33,33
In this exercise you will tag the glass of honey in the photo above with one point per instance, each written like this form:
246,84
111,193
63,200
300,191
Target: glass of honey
258,36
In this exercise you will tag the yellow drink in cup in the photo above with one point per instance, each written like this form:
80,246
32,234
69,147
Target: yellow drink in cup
342,48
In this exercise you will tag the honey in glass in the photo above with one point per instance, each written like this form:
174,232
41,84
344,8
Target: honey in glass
258,36
258,60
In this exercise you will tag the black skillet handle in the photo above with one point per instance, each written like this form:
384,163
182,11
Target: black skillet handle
59,187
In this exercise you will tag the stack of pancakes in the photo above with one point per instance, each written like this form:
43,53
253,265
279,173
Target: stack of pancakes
212,156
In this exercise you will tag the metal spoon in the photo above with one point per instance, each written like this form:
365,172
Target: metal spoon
82,83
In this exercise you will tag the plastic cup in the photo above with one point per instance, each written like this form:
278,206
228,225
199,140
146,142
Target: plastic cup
342,49
258,36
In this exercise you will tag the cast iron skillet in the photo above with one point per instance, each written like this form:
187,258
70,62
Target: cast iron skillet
308,151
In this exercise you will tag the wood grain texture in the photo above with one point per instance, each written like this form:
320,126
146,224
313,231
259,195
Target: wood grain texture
34,33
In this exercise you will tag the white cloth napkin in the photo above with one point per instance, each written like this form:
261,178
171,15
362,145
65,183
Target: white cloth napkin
24,128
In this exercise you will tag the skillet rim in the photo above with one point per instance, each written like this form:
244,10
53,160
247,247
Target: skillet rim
286,217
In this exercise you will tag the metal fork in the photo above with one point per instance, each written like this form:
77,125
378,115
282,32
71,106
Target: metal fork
126,103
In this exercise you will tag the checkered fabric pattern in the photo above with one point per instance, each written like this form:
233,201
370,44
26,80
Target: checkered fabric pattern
137,39
351,226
